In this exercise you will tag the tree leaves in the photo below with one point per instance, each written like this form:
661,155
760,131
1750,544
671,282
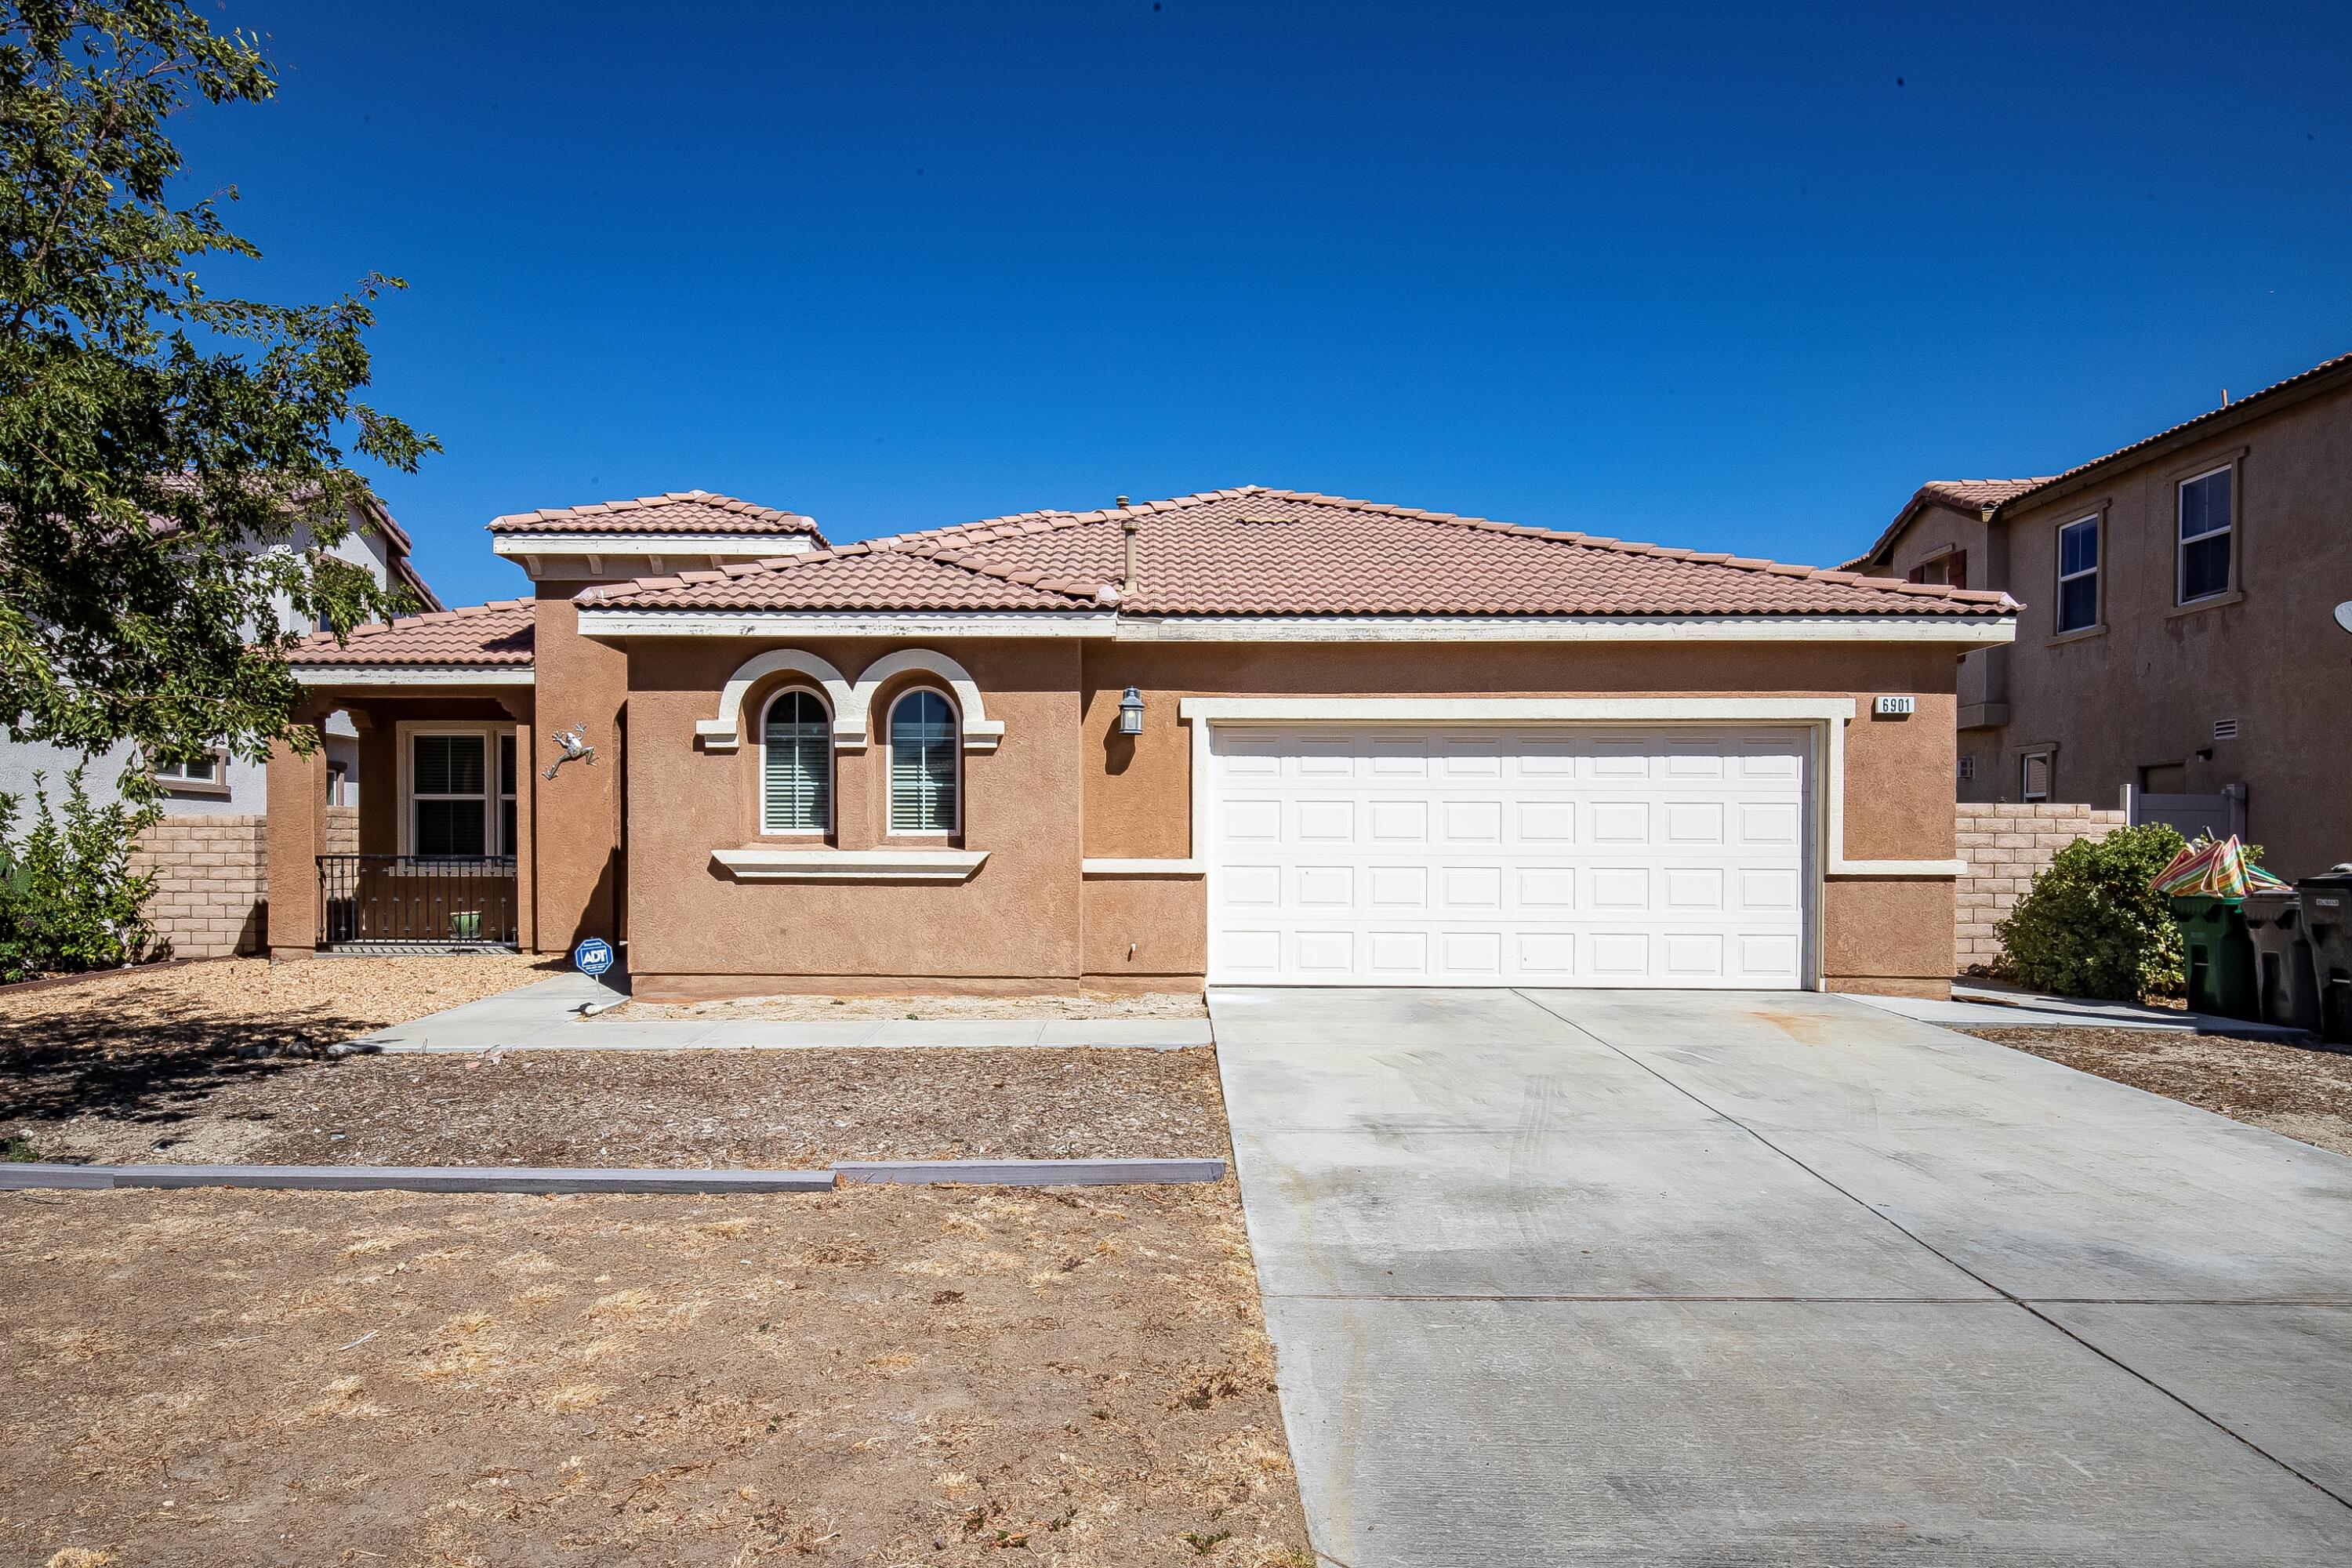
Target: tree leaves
174,473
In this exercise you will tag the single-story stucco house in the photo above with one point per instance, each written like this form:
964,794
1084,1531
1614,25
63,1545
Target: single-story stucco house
1246,736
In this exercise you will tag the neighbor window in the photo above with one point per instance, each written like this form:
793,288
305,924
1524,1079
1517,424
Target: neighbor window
2205,520
448,790
2034,782
796,765
204,770
2078,575
923,764
1948,570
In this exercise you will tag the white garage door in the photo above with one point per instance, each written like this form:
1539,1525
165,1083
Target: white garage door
1554,856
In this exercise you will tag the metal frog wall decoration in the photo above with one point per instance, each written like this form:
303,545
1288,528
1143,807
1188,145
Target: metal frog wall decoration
576,748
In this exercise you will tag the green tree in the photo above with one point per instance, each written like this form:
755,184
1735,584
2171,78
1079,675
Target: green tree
2092,926
69,898
159,443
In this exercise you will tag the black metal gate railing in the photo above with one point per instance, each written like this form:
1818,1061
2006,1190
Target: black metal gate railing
412,900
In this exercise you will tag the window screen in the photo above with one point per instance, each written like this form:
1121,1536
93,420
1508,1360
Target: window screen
2205,535
922,764
796,783
2078,575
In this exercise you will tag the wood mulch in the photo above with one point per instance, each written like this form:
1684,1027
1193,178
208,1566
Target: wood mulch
788,1108
877,1377
2302,1090
801,1009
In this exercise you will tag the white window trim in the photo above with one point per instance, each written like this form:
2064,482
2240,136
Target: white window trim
889,768
760,750
2096,524
2025,762
2181,545
214,788
404,735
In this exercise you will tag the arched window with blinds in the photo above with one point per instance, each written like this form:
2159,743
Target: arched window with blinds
796,766
923,761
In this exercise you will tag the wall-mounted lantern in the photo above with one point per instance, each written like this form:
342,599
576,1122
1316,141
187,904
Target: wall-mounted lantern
1130,712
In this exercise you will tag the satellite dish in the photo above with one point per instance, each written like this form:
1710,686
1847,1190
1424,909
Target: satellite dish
2344,615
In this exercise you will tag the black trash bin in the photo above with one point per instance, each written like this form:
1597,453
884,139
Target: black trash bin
2327,922
2286,989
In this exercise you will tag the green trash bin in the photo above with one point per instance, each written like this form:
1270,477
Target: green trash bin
2220,955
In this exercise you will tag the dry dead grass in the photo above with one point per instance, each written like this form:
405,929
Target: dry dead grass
878,1377
147,1045
680,1108
2303,1091
1148,1005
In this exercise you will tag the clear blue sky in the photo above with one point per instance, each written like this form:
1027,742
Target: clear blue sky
1735,278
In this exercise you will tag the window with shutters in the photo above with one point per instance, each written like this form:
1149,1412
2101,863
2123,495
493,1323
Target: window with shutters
924,762
449,793
796,765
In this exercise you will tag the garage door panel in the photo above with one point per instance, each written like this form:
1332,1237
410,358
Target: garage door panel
1561,855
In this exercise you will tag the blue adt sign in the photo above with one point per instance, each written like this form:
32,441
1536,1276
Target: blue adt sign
594,956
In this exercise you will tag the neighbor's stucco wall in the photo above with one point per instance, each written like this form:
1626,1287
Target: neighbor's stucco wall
1062,786
2144,690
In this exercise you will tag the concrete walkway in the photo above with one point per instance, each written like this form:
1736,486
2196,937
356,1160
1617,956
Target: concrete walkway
1985,1006
1677,1278
547,1015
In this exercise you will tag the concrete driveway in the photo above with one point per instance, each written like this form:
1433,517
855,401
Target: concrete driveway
1680,1277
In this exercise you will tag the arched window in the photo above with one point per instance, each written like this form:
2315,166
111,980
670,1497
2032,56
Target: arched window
924,757
796,765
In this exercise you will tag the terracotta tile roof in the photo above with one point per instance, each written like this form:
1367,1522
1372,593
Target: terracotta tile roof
681,512
2340,367
1283,553
2014,495
1976,494
498,633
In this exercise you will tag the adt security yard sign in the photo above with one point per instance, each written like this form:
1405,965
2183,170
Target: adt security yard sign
593,956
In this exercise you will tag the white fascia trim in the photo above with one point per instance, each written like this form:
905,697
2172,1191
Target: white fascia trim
414,674
1971,632
1112,866
596,623
1827,717
1513,709
744,546
765,864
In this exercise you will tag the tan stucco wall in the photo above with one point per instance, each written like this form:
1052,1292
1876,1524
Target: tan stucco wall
695,930
1937,531
1062,786
577,815
2145,690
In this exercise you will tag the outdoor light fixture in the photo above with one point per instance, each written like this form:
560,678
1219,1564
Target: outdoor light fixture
1130,712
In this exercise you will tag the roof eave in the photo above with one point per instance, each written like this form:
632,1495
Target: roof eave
2204,428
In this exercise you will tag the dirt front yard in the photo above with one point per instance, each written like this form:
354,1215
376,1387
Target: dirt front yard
2303,1091
883,1376
647,1108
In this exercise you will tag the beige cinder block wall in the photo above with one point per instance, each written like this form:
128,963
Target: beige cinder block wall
2006,846
1063,787
210,882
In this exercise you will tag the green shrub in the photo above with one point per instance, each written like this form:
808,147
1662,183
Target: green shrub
69,898
2090,927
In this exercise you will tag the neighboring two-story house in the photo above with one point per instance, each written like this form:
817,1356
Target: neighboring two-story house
207,852
2178,652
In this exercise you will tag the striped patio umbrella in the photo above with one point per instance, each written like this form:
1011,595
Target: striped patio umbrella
2214,870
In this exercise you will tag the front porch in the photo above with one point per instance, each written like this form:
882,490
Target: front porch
442,859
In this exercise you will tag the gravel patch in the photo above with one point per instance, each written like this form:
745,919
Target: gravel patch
670,1109
878,1377
2303,1091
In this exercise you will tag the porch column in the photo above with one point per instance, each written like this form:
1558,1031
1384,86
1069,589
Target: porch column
526,843
297,836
